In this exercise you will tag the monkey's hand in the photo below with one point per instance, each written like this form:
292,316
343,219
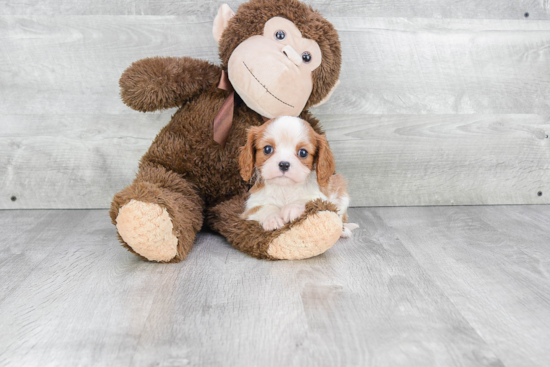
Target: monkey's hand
164,82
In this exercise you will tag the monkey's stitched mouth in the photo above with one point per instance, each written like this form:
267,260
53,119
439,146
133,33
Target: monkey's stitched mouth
267,90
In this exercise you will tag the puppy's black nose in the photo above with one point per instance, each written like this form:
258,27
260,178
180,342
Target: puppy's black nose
283,166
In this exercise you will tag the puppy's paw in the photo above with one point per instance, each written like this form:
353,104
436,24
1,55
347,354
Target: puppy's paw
292,211
346,231
273,222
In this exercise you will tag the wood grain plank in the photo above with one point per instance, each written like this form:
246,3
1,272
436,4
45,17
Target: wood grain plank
69,65
493,264
81,161
490,9
364,302
72,64
85,303
442,160
71,161
410,66
17,230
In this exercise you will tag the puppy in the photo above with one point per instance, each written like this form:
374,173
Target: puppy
291,165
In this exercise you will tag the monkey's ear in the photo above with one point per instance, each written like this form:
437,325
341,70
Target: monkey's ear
328,95
220,22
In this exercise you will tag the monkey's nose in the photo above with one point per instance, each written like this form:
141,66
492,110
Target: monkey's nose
284,166
292,55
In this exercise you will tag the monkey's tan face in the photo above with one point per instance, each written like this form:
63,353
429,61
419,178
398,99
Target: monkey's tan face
272,72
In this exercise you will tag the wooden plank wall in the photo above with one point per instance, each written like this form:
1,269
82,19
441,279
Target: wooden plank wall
442,102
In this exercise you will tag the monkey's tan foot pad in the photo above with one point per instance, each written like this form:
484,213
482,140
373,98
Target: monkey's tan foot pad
310,237
147,228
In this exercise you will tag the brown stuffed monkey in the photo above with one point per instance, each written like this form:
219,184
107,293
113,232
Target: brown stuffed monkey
277,58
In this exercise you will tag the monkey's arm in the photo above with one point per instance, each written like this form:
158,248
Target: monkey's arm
165,82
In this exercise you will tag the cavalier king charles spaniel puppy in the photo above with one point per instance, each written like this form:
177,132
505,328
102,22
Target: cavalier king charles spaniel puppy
291,165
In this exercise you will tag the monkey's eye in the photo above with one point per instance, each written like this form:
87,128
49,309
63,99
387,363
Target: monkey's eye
268,149
302,153
306,56
280,35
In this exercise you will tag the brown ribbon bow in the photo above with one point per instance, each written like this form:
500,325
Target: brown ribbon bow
224,117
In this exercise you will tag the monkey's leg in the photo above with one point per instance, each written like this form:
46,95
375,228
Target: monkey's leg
158,215
316,231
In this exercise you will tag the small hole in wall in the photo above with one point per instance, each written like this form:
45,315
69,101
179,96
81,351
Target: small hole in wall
526,15
539,193
13,198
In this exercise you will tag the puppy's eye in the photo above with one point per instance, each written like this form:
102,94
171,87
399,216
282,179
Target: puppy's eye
302,153
280,35
268,149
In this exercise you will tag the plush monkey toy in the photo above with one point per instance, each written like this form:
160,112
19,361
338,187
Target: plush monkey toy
277,58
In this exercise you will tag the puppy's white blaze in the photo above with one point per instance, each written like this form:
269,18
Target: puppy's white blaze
287,127
287,132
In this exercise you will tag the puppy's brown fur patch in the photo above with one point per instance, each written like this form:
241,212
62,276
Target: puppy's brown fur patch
337,185
310,144
324,161
251,211
258,185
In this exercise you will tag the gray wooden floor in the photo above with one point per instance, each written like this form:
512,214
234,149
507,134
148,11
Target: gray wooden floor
417,286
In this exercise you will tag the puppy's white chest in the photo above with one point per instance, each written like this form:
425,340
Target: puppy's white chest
285,195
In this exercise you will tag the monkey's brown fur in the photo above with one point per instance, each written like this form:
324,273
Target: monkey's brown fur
185,171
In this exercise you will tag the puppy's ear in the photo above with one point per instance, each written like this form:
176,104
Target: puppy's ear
248,153
324,161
